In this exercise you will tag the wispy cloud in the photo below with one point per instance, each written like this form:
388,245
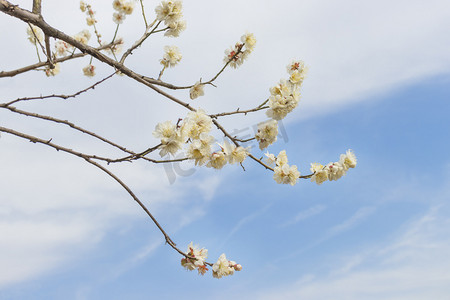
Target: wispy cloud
305,214
360,215
412,266
244,221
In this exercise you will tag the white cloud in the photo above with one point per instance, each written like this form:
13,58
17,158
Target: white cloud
305,214
413,265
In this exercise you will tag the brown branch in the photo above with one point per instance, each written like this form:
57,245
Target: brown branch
237,111
27,16
49,52
58,96
139,41
43,64
37,7
175,87
235,141
34,139
131,157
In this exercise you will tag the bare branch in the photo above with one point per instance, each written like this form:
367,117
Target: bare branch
88,158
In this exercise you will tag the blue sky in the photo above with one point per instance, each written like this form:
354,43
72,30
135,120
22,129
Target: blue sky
381,232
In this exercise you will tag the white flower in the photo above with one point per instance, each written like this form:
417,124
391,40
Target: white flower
282,158
171,137
169,11
118,18
171,56
235,154
83,36
233,56
270,159
295,65
61,48
283,99
117,47
52,72
267,133
249,40
196,90
117,5
89,70
320,173
335,170
127,8
217,160
348,160
175,28
222,267
297,71
286,174
196,123
83,6
196,259
200,149
35,34
90,21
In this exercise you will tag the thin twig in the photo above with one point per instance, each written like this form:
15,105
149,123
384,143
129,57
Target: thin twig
59,96
43,64
87,158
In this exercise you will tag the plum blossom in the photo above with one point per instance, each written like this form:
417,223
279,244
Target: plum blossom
61,48
267,133
270,159
83,37
171,57
196,123
35,34
169,12
235,154
286,174
335,170
297,71
196,90
236,55
196,259
217,160
200,149
171,137
348,160
283,99
223,267
89,70
320,173
52,72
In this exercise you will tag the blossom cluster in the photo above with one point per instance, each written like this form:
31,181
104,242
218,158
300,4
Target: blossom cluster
52,71
83,36
196,260
171,57
333,170
35,34
122,8
267,133
285,96
89,70
170,12
90,14
194,130
283,173
236,55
